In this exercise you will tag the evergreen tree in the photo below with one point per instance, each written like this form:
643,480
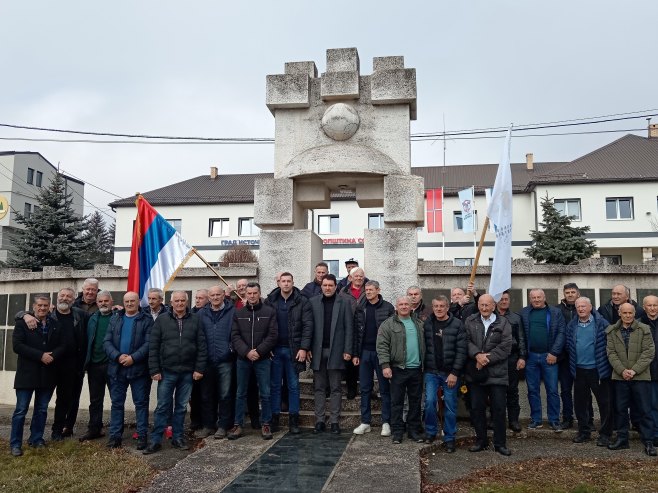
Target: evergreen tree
53,234
558,242
101,240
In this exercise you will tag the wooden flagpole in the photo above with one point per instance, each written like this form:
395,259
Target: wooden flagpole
477,254
196,252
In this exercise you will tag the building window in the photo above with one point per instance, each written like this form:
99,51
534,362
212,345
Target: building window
458,222
375,221
39,178
30,176
246,227
218,228
568,207
35,209
334,266
464,262
614,259
176,223
27,211
328,225
620,208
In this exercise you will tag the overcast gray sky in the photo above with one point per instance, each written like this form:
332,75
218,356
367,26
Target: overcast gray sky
198,69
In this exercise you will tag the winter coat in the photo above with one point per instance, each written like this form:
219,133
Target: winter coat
139,346
455,345
600,345
653,326
300,322
30,345
383,310
218,333
346,293
519,347
641,351
498,344
608,309
78,351
556,328
342,332
312,289
81,304
254,327
422,312
392,343
177,350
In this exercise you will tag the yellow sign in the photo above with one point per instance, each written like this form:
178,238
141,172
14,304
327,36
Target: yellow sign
4,206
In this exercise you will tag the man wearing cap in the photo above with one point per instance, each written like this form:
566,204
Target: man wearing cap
350,264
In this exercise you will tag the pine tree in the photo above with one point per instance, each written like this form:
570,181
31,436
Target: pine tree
53,234
101,240
557,241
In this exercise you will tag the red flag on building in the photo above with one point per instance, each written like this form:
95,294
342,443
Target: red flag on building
434,201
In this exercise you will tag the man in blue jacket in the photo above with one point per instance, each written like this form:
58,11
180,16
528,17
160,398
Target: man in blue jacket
126,345
217,320
543,328
591,370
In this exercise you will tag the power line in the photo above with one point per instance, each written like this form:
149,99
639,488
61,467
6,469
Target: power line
92,185
434,139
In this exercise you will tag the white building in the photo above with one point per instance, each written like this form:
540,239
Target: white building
612,189
22,176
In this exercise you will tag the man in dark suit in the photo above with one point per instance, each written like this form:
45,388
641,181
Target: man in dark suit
331,347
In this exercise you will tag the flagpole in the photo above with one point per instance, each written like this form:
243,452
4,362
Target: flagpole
475,233
196,252
443,226
477,254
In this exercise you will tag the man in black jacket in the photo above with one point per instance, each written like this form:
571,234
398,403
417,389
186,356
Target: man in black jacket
446,352
567,306
314,288
370,313
650,318
295,331
177,356
254,335
489,345
37,351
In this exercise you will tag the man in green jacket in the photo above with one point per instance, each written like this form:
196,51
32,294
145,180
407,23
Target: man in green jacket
630,351
401,352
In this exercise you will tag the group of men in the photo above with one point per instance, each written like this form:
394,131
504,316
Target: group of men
234,344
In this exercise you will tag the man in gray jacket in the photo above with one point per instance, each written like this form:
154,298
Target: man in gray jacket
332,345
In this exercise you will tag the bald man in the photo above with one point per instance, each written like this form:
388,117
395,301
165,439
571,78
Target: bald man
631,350
650,318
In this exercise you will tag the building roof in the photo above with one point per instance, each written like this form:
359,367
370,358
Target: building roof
19,153
627,159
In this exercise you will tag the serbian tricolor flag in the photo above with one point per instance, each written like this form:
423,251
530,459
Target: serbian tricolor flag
157,252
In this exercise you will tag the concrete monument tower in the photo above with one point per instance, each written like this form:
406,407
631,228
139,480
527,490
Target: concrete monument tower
341,131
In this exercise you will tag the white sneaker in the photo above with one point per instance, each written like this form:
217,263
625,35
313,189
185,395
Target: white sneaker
386,430
362,428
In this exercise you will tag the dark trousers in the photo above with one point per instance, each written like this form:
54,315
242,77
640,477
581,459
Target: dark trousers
496,394
513,406
639,393
195,405
217,403
407,382
587,383
566,388
322,379
68,388
97,381
351,377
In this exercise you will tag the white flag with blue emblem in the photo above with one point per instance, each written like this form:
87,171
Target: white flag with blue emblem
468,212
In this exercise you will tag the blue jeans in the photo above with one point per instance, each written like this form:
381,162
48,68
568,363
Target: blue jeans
370,363
654,408
434,381
537,369
283,366
140,389
39,415
262,371
174,389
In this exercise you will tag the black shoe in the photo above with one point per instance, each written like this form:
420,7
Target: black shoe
274,424
351,394
67,432
335,429
255,423
293,424
91,435
429,439
515,427
580,438
56,436
397,438
141,443
16,451
38,444
567,424
114,443
449,446
619,444
649,449
180,444
416,438
319,428
503,451
603,441
655,442
478,447
152,449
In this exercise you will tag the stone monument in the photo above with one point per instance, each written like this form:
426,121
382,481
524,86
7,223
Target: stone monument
341,131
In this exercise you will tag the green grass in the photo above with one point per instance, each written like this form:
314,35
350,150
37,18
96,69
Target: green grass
70,466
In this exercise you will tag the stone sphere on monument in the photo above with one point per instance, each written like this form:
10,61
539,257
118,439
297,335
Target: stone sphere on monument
340,121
